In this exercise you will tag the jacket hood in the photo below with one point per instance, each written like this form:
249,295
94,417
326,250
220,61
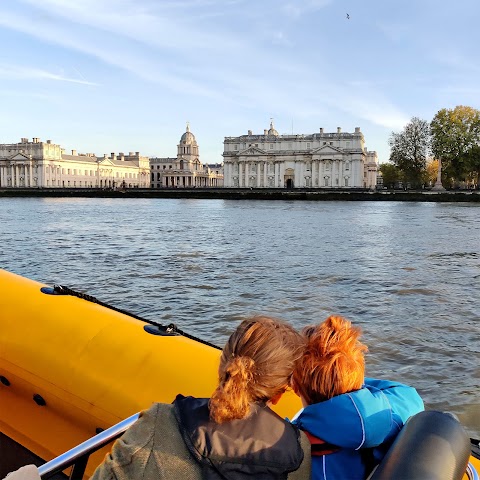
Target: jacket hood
360,419
263,445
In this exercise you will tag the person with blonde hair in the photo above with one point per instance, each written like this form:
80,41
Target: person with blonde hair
350,420
232,435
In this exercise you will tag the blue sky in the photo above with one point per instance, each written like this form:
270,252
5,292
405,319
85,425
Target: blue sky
125,75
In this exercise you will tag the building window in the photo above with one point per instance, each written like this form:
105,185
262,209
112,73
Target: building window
289,145
346,181
68,171
331,143
347,166
271,146
235,147
326,181
164,167
308,145
348,144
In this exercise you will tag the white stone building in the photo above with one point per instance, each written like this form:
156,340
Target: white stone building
319,160
45,165
186,170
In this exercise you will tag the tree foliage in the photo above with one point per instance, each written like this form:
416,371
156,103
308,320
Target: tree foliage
410,149
390,174
431,172
455,138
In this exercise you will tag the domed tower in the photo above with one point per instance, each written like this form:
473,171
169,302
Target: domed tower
188,147
272,130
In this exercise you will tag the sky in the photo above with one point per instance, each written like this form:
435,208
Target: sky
103,76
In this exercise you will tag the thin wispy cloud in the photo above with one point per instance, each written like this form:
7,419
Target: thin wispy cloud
301,7
18,72
222,59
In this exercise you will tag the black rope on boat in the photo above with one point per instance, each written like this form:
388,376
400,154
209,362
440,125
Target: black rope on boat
169,329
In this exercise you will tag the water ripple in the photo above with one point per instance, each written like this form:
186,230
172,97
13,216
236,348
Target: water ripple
408,274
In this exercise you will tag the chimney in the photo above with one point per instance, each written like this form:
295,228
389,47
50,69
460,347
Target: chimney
104,155
112,155
122,156
130,154
357,129
137,154
74,152
49,142
250,132
339,129
265,131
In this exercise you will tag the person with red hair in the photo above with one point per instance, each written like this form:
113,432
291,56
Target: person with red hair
350,420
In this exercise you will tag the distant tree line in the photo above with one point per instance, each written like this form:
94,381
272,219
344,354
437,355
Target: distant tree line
453,137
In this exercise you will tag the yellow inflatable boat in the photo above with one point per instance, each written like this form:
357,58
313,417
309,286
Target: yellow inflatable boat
70,367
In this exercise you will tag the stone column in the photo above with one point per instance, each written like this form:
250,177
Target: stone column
276,182
438,184
226,173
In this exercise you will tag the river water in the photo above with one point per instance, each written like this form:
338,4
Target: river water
407,273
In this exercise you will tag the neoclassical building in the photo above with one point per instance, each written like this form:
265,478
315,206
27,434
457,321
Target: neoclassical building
45,165
186,170
319,160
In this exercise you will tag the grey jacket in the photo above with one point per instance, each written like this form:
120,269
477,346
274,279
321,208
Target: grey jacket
153,448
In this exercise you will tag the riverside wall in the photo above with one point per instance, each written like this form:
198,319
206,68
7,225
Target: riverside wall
252,194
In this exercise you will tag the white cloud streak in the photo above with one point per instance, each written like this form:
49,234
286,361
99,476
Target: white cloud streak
161,42
19,72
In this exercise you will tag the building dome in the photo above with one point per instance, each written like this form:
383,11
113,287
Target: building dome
272,130
188,138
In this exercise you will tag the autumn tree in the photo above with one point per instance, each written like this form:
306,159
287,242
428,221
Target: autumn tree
409,150
455,135
431,171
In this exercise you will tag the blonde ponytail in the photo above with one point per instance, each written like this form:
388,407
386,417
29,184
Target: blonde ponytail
255,366
231,400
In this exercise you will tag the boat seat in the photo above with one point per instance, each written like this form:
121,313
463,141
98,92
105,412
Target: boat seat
431,446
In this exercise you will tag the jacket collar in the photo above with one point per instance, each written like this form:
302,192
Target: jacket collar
262,446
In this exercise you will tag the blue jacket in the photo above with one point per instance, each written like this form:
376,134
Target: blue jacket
363,424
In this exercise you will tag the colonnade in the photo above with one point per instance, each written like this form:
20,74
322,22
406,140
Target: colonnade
188,181
313,173
18,175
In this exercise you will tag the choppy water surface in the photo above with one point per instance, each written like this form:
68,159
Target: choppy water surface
408,273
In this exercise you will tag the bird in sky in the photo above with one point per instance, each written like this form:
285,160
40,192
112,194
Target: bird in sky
348,16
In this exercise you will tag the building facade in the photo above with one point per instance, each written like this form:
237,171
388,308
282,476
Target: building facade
46,165
186,170
319,160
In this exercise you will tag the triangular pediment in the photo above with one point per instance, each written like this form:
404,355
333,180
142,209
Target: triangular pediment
327,150
253,151
106,161
19,156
